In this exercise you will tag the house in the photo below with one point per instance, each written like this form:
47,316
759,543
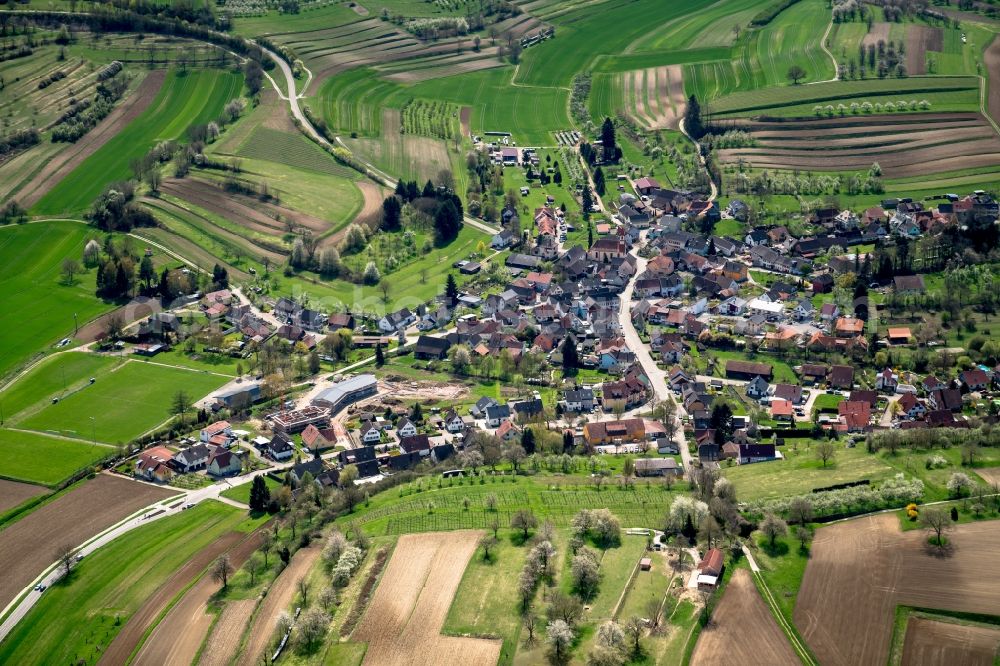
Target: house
829,312
757,387
453,423
192,458
871,397
753,453
790,392
478,410
822,283
396,321
736,369
614,432
279,448
527,409
431,348
849,327
370,433
154,464
315,439
224,463
908,284
495,414
579,400
339,320
899,335
781,410
217,428
886,381
710,569
812,373
911,406
932,383
946,399
974,380
657,467
646,185
314,467
842,376
508,431
416,444
855,416
503,239
406,428
803,310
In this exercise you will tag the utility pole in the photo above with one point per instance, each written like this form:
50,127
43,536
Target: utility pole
76,325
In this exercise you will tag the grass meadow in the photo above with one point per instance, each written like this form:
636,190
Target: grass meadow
76,618
189,98
36,305
37,458
125,402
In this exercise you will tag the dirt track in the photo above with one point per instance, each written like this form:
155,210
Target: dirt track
30,544
932,643
742,630
403,623
862,569
278,598
65,162
132,633
177,637
224,641
13,493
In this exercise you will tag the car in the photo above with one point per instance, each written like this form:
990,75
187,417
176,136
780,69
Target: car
40,588
79,557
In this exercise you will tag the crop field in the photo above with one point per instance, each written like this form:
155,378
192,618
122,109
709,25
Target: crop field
125,402
186,99
223,642
73,517
36,305
80,618
412,600
742,630
36,458
862,569
352,102
409,156
716,25
430,118
938,642
291,149
14,493
655,97
910,145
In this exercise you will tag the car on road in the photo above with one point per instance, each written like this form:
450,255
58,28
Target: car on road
40,588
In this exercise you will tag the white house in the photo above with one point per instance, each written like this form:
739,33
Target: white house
405,428
371,434
217,428
762,307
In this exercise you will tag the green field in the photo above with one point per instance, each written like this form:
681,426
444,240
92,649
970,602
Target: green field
714,26
37,458
75,619
241,493
36,306
124,402
54,377
293,150
185,99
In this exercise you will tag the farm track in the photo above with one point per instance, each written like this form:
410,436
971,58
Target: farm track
29,545
852,121
137,626
402,625
176,639
123,114
742,630
278,598
860,570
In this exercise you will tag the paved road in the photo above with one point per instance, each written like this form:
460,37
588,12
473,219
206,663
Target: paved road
657,375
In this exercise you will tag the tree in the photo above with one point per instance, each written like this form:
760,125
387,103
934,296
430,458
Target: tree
566,608
451,289
959,484
254,566
608,141
181,404
586,201
800,510
586,573
260,495
314,364
514,453
825,451
634,628
937,521
447,222
488,543
220,277
70,267
773,527
559,636
692,119
796,74
611,635
379,356
222,569
804,535
311,627
709,530
147,273
266,545
570,355
528,441
65,554
303,587
391,213
525,521
599,185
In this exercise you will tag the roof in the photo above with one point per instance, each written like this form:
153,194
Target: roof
908,282
415,443
899,332
712,563
748,367
340,390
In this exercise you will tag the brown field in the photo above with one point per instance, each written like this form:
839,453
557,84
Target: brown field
137,626
180,633
358,9
278,598
403,622
992,59
465,117
879,33
919,40
28,546
990,475
138,308
370,210
862,569
14,493
126,111
448,67
224,640
939,643
658,95
742,630
924,146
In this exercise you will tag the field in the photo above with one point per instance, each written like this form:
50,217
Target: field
279,597
654,97
403,622
181,102
74,517
938,642
125,402
903,145
36,305
78,619
223,642
742,629
862,569
13,494
38,458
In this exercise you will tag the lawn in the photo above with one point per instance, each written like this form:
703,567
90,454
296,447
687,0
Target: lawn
617,565
53,377
36,458
186,99
827,402
782,371
241,493
124,402
782,568
801,471
36,305
487,602
74,620
648,587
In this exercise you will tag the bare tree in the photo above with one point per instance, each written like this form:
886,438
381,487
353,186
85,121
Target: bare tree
70,267
222,569
488,543
303,587
937,521
634,628
825,451
773,527
66,554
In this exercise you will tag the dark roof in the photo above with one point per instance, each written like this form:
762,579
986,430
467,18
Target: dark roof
427,344
842,376
415,443
748,367
314,467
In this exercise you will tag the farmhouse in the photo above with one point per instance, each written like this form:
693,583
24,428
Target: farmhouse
192,458
614,432
710,569
224,463
736,369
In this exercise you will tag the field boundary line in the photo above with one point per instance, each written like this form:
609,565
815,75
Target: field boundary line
800,648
